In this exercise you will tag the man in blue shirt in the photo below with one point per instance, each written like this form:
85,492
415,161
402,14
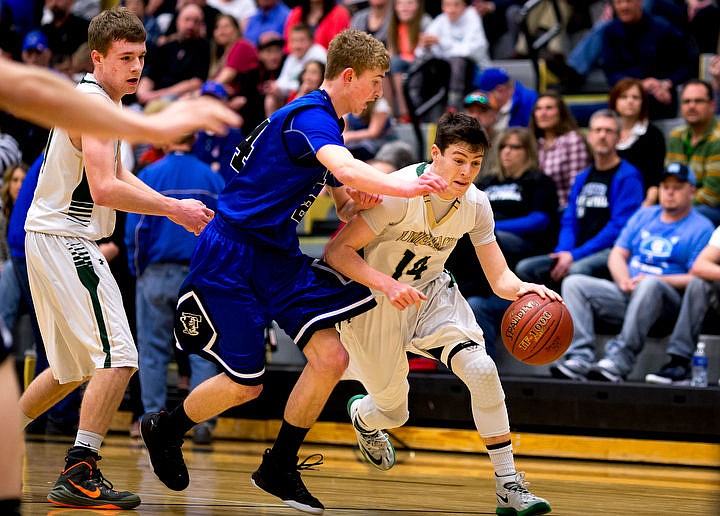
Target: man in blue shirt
514,101
269,17
650,265
248,269
601,200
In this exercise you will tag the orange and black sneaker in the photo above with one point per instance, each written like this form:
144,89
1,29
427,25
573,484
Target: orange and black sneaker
82,485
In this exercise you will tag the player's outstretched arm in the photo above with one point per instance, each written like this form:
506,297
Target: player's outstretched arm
46,99
361,176
341,254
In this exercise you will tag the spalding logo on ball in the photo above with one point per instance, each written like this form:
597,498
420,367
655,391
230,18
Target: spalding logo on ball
537,331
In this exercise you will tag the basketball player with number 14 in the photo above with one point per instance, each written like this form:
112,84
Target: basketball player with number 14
406,243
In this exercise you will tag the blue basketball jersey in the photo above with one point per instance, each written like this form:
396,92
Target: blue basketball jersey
278,176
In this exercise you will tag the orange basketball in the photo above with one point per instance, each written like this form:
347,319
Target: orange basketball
536,331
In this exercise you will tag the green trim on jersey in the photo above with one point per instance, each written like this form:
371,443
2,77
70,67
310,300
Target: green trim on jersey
421,168
90,280
81,204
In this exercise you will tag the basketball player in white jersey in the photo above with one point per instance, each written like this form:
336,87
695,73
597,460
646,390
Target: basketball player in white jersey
78,303
405,245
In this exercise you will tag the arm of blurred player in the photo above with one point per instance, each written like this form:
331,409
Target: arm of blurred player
361,176
341,254
49,100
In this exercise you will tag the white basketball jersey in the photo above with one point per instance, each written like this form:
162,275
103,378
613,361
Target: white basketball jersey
414,249
62,204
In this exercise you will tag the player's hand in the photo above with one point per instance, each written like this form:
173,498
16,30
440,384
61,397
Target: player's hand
541,290
192,214
426,183
186,116
363,200
401,295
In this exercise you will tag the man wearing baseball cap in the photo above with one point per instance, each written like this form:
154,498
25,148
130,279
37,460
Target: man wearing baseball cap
650,267
214,149
515,102
482,107
35,50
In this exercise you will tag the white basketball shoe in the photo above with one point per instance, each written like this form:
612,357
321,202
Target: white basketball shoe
514,499
374,444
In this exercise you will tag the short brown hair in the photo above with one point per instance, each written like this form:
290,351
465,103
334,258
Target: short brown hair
621,87
114,24
460,129
357,50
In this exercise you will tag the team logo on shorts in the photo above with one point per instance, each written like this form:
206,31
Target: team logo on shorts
194,329
191,323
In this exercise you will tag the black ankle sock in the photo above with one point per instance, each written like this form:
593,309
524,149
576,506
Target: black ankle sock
78,454
288,442
178,422
10,507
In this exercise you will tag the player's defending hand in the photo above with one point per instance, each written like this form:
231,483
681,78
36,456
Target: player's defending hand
426,183
401,295
189,115
192,214
363,200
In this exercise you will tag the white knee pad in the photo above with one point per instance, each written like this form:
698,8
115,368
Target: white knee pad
474,367
477,370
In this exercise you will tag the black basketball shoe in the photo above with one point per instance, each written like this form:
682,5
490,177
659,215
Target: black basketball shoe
165,451
284,482
82,485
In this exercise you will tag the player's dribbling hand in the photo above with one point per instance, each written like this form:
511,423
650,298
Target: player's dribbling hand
541,290
402,295
193,215
429,182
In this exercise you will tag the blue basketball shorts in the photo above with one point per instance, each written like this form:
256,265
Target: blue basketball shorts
234,290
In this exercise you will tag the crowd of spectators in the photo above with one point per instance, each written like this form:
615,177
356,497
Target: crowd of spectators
561,193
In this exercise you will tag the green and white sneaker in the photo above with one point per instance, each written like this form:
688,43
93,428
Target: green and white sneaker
374,444
514,499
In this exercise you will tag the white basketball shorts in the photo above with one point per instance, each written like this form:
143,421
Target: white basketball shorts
79,307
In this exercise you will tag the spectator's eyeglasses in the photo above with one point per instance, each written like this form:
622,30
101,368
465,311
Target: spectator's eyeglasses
477,98
695,101
511,146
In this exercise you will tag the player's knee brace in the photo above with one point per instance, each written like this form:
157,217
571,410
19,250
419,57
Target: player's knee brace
477,370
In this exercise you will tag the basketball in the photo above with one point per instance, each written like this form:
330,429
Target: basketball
536,331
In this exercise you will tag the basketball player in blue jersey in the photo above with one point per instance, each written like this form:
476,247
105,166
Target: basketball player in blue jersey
248,270
405,245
